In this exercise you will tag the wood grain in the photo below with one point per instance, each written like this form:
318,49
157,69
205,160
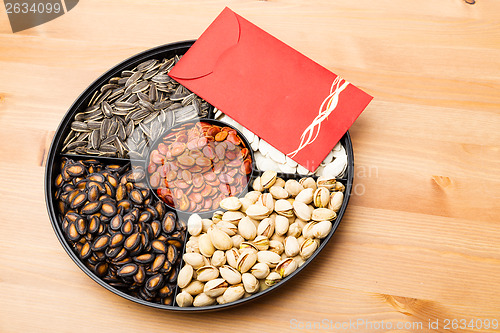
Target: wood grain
420,240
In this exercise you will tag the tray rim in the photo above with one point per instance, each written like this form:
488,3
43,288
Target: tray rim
53,155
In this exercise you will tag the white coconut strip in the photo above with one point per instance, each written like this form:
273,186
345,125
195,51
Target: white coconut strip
314,128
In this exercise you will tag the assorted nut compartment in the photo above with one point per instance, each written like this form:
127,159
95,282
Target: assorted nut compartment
197,164
138,186
258,240
118,229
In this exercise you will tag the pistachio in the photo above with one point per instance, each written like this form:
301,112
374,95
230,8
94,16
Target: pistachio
291,245
184,299
227,227
307,231
260,270
279,182
230,274
323,214
301,210
230,203
286,267
232,256
339,187
258,212
278,238
194,225
194,288
206,224
308,182
193,259
267,200
232,216
273,278
248,247
233,293
205,245
317,241
257,184
261,243
192,245
220,299
250,283
294,230
245,203
206,261
268,257
283,207
266,227
220,239
207,273
326,182
268,178
299,260
276,246
336,201
218,258
278,192
247,228
237,240
281,225
305,196
246,261
301,240
308,247
322,229
185,276
293,187
216,287
262,285
217,216
321,197
192,249
203,300
301,223
253,196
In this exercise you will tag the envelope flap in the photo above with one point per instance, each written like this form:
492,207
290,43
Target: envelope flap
220,36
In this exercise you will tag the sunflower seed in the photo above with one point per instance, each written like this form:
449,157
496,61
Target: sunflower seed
121,132
108,86
152,116
108,148
143,97
107,110
133,79
95,139
75,144
148,106
139,115
141,86
79,126
93,124
147,65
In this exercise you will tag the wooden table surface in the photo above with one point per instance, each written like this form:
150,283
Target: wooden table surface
420,241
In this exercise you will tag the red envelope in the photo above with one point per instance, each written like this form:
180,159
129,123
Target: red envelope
293,103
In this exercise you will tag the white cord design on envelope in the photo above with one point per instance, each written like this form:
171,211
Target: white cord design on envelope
331,100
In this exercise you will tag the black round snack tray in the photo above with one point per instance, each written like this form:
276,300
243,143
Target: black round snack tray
55,156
